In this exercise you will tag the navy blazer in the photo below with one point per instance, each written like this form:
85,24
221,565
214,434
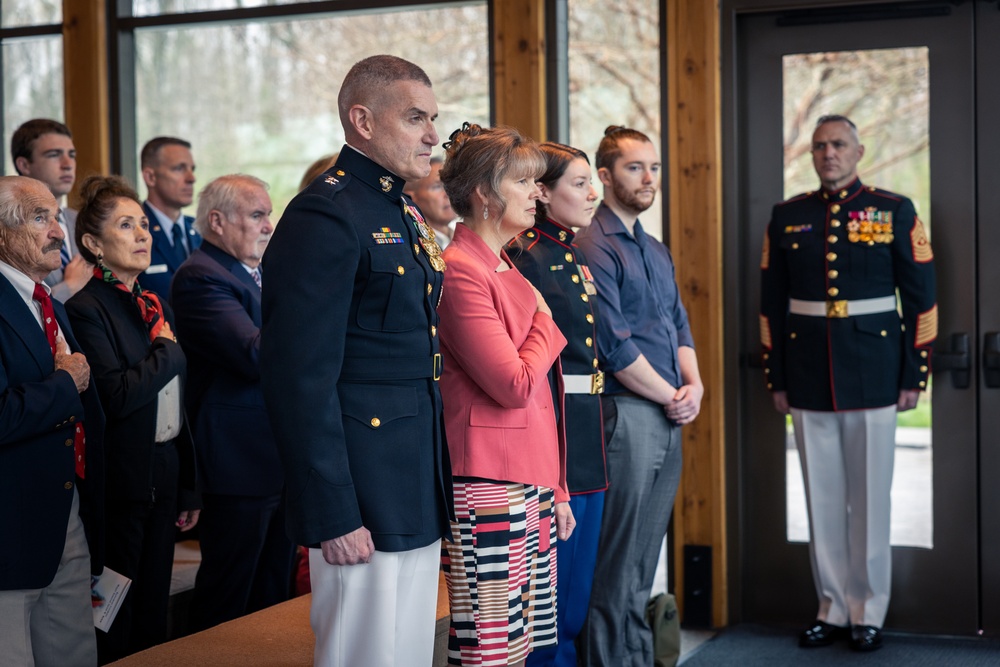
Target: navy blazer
165,259
217,305
129,372
348,351
39,408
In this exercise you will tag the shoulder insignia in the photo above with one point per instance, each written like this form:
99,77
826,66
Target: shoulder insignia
796,198
922,252
329,185
884,193
765,255
927,326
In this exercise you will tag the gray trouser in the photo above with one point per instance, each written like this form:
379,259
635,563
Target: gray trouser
847,461
644,469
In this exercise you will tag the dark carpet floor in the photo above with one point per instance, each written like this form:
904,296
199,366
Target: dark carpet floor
749,645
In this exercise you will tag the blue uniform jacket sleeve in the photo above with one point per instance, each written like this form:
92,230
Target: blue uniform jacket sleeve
310,266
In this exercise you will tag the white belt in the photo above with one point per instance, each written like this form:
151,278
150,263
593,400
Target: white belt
843,308
584,384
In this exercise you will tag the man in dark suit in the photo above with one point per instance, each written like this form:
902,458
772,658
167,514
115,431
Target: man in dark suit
246,557
43,149
168,172
843,358
349,366
51,434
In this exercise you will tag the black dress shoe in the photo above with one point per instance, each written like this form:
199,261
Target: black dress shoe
865,637
821,633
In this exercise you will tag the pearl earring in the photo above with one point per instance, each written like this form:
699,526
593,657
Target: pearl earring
486,212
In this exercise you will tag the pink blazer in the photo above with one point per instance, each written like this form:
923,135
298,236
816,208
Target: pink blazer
498,412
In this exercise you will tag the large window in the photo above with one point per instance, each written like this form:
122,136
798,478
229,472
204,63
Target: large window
32,65
614,75
887,94
260,97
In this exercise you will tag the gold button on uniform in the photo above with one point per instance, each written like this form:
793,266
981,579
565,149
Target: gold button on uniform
795,246
923,353
922,384
923,369
595,364
769,385
400,270
585,298
835,208
833,273
568,256
883,333
833,291
831,257
68,485
767,356
376,422
434,330
589,341
831,238
430,288
530,235
793,335
72,419
590,318
575,278
416,248
69,442
835,223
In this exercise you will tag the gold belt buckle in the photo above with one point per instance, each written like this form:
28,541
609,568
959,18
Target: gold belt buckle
437,367
836,309
597,383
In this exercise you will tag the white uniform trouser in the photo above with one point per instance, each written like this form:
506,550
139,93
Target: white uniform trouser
847,460
378,614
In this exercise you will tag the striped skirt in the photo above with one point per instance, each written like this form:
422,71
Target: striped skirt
501,573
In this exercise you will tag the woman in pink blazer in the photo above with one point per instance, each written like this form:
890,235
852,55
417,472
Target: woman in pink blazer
500,348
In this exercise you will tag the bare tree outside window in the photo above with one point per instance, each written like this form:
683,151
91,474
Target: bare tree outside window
614,75
261,97
32,84
19,13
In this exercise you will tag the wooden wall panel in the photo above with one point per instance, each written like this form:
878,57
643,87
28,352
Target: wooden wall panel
85,73
695,189
519,65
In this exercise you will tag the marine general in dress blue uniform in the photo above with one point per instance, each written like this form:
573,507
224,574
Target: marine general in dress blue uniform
349,368
843,356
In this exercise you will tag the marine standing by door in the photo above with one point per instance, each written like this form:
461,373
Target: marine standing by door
843,356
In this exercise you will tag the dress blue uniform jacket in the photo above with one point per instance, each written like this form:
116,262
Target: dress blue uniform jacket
348,349
217,305
164,258
39,409
859,242
548,258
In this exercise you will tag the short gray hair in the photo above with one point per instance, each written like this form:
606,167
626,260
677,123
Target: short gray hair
368,79
837,118
223,194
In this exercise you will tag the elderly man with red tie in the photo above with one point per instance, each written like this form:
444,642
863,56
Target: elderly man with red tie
51,429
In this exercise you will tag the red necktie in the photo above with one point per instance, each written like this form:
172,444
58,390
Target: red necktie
51,331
